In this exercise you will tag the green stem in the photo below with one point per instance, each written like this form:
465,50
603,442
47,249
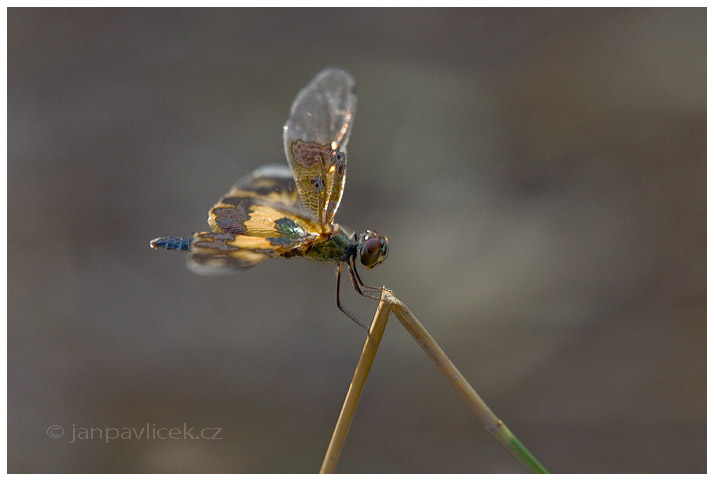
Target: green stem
508,439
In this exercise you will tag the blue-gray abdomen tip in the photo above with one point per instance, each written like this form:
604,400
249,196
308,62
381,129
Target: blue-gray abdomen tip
171,243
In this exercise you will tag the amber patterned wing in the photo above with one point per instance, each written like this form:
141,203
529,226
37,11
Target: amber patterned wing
270,185
215,253
315,138
259,218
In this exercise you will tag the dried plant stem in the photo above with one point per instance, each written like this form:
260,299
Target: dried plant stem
369,351
493,425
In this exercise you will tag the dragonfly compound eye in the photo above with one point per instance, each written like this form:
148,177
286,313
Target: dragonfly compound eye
373,249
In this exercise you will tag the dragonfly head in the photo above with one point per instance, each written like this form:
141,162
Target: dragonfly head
372,248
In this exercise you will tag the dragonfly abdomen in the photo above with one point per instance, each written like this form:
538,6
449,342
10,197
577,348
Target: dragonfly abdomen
172,243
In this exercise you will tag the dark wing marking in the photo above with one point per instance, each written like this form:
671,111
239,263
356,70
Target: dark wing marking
315,139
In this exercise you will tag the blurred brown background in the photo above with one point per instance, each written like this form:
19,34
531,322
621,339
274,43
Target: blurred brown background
540,174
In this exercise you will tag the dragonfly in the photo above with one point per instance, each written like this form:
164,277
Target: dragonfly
289,210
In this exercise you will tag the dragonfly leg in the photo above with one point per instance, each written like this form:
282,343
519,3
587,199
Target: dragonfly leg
339,304
357,281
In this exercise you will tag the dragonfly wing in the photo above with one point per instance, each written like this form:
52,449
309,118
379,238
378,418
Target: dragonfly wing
259,218
273,184
315,139
223,253
256,201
